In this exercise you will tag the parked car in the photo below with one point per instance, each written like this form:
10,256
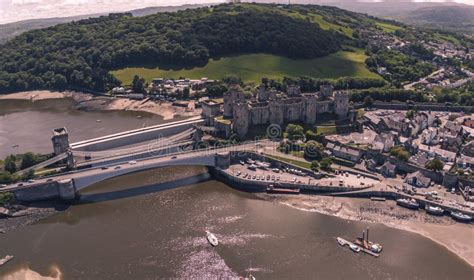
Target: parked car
174,157
117,167
132,162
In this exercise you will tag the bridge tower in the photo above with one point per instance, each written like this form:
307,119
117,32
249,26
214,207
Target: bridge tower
60,140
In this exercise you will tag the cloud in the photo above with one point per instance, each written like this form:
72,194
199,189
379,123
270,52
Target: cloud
17,10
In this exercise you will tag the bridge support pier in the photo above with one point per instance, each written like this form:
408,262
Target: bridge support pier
222,160
71,163
67,190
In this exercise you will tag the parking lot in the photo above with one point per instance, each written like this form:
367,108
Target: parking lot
274,175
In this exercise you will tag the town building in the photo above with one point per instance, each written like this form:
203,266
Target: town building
417,179
388,169
344,152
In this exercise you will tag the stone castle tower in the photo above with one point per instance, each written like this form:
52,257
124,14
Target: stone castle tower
341,104
262,93
241,121
309,109
326,91
234,95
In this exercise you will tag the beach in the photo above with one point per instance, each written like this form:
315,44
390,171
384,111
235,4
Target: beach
89,102
443,230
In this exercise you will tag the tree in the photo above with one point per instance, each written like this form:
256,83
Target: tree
410,114
326,164
10,166
435,164
368,101
313,150
28,160
138,84
311,135
186,92
400,153
294,132
314,165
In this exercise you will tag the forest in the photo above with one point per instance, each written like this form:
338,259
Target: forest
80,54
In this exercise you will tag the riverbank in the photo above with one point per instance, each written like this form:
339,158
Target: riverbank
21,215
89,102
443,230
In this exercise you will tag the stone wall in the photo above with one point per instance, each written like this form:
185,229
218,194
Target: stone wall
421,106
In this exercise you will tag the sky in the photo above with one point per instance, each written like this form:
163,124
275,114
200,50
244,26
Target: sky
16,10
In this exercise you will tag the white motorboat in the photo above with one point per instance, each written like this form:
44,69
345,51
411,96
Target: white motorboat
341,241
354,248
212,239
5,260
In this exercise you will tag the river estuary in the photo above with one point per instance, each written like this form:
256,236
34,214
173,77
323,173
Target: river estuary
151,225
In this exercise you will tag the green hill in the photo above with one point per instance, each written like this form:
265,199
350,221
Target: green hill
212,41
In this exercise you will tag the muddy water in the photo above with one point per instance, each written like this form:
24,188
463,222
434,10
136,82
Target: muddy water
29,124
151,225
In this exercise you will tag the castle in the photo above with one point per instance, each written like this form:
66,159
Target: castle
273,107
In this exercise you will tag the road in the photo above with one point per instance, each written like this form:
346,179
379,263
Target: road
196,157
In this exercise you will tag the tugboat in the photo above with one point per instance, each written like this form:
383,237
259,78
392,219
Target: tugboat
354,248
368,245
212,239
434,210
408,203
461,217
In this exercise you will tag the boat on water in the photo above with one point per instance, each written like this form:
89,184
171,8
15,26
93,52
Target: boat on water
434,210
354,248
366,244
461,217
5,260
408,203
341,241
278,189
212,239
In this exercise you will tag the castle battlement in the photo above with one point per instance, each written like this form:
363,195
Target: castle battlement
273,107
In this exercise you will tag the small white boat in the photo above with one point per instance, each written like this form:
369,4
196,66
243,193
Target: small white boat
354,248
5,260
212,238
341,241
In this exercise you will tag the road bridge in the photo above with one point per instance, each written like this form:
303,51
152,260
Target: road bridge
67,185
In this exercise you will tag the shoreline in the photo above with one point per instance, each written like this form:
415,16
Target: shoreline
89,102
434,228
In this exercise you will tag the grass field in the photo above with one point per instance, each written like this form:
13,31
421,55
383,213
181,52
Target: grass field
387,27
303,164
252,67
